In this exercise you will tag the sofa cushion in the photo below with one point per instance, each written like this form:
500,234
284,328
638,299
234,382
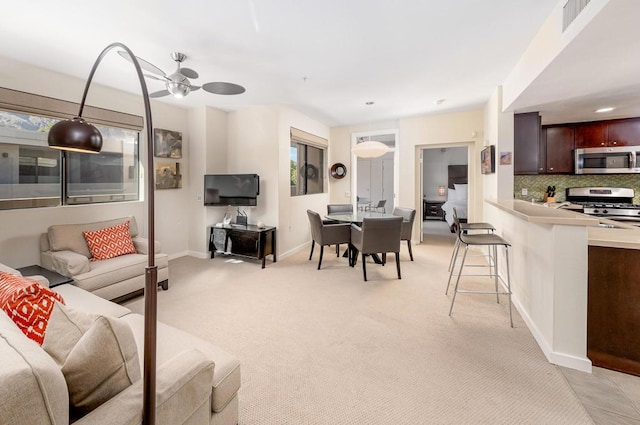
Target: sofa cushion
69,236
66,327
110,242
226,377
32,384
106,272
102,363
79,299
28,304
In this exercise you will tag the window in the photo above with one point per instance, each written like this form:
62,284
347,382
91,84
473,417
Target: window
307,163
34,175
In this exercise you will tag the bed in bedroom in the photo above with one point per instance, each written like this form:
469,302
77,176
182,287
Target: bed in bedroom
457,195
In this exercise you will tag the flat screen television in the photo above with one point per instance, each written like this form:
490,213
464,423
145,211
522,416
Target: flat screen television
231,189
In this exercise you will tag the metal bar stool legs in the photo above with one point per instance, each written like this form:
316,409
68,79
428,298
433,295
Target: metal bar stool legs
491,241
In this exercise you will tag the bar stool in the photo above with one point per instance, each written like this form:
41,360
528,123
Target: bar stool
465,228
491,241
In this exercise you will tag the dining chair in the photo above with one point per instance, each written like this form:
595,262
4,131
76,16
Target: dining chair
408,216
380,205
377,235
339,209
326,234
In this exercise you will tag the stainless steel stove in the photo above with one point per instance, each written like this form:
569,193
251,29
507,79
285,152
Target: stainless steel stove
614,203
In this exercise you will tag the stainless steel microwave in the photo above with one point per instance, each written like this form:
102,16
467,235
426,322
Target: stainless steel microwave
612,160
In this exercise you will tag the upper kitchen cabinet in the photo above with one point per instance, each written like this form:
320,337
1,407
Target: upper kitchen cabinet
526,143
541,150
591,134
621,132
557,148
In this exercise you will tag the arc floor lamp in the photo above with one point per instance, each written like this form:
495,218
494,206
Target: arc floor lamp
78,135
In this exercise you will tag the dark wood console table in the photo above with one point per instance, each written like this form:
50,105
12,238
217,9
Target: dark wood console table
247,241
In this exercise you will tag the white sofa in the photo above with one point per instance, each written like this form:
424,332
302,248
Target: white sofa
64,249
197,383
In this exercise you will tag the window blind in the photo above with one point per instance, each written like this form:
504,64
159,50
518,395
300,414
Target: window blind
308,138
33,104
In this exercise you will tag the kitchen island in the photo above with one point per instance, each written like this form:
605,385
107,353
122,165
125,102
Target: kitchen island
549,271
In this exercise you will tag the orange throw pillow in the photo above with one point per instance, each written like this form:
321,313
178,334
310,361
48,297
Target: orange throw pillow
110,242
28,304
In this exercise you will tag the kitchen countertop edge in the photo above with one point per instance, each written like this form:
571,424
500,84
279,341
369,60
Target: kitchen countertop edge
626,238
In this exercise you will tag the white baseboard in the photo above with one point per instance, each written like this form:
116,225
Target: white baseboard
561,359
198,254
179,254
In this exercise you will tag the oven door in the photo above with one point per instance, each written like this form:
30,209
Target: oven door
614,160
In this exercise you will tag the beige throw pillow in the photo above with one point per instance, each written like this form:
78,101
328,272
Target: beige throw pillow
102,363
66,327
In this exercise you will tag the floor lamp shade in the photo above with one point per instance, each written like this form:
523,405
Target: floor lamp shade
75,135
78,135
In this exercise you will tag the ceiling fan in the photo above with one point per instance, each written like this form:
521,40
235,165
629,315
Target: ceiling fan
178,83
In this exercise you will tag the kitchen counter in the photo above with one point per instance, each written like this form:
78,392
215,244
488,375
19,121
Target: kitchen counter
622,235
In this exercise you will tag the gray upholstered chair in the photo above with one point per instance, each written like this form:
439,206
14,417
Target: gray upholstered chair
408,215
377,235
326,234
340,209
377,207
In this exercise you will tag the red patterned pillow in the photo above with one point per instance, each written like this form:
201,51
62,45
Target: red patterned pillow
28,304
110,242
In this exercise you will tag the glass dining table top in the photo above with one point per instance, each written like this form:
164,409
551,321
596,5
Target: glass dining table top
357,217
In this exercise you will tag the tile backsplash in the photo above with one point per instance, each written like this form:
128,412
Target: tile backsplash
537,185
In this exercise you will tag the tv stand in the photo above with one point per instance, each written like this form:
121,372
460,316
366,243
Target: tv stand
247,241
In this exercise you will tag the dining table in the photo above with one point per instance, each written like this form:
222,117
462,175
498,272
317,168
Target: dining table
357,218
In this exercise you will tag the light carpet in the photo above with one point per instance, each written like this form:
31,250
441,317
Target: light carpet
323,347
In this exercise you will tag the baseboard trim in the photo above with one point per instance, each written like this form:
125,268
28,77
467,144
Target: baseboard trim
561,359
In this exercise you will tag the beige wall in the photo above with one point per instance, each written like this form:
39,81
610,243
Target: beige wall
21,228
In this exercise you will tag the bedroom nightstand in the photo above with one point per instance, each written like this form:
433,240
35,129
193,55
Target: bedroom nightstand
432,209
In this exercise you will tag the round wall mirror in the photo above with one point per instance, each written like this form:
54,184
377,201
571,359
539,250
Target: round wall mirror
338,170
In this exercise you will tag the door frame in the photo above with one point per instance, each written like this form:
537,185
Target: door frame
396,162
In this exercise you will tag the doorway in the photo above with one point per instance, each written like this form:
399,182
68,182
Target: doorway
438,192
376,179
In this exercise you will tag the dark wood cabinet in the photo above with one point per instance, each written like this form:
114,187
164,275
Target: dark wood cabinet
623,132
613,316
597,134
247,241
591,134
526,143
557,145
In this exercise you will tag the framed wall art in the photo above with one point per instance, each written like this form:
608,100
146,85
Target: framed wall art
168,175
167,143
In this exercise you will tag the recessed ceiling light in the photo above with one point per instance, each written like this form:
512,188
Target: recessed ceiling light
371,102
608,109
438,102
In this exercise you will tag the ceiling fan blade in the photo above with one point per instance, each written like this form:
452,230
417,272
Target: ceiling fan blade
219,87
194,88
143,64
160,93
164,79
188,72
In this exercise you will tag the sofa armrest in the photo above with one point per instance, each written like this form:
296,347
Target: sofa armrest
183,387
142,245
67,263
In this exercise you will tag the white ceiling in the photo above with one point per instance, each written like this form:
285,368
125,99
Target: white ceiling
325,58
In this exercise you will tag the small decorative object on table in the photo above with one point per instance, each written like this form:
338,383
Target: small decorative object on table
260,224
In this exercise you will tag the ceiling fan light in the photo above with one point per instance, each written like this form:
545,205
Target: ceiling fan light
178,85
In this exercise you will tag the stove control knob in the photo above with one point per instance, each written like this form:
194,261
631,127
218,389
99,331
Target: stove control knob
596,211
605,211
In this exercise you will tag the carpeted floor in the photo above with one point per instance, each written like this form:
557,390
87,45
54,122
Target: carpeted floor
324,347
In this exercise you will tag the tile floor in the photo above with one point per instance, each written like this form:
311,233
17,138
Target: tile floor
611,398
